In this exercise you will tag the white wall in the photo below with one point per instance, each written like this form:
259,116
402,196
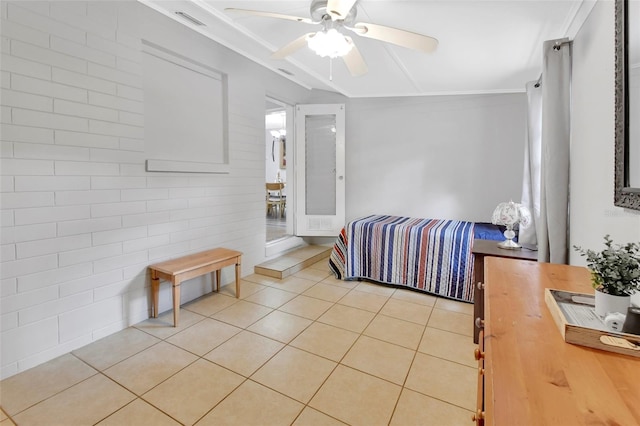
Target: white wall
81,219
451,157
593,214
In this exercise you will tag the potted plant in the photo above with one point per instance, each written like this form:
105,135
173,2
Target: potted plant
615,274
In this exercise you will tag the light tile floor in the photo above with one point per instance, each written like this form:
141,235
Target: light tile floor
305,350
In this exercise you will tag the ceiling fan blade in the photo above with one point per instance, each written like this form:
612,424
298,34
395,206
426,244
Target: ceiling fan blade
287,50
396,36
354,62
339,9
271,15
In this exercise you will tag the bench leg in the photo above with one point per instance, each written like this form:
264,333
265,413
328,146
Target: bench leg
238,279
155,290
176,303
218,279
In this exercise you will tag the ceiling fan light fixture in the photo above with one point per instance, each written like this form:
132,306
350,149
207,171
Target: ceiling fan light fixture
329,43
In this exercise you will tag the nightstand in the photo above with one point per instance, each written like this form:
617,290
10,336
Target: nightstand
482,249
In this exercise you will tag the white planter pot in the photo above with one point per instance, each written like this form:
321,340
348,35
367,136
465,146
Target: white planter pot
607,304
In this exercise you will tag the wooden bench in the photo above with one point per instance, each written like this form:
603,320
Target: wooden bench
191,266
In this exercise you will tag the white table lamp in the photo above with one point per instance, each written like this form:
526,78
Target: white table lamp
509,214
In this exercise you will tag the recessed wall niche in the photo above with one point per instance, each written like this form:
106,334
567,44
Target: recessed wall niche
185,114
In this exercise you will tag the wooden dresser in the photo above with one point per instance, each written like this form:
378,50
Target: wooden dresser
527,374
481,250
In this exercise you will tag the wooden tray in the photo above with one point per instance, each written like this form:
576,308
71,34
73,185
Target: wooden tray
574,329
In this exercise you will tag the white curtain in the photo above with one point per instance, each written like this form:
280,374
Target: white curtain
532,154
546,183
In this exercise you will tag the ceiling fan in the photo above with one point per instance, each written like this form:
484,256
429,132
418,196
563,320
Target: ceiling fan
335,16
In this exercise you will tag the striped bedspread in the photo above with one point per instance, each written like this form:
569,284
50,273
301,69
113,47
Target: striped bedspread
427,254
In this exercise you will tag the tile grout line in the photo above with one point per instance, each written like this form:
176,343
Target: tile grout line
415,353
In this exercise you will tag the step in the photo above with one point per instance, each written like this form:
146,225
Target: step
293,261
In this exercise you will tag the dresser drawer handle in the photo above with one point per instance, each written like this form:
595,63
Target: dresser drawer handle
478,354
480,285
479,415
479,322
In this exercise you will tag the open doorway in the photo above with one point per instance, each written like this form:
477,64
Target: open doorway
276,171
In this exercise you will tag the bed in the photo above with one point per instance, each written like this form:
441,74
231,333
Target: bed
429,255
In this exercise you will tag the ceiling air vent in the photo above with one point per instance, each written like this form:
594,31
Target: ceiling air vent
283,71
190,18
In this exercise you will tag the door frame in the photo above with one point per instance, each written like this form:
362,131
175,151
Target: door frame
274,248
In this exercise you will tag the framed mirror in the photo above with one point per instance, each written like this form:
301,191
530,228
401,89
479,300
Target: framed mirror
627,104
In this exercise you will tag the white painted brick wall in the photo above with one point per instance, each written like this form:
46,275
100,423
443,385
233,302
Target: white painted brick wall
52,245
17,65
13,200
120,262
51,152
82,51
17,234
118,209
65,198
47,56
25,341
119,235
26,134
8,321
82,321
18,31
48,88
81,218
119,102
74,227
83,110
7,183
51,183
75,168
89,254
24,299
26,100
54,307
85,139
50,214
7,252
52,277
8,287
16,167
6,149
88,283
22,267
82,81
48,120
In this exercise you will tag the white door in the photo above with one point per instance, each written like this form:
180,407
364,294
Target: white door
320,178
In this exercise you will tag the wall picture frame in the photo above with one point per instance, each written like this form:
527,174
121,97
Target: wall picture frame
283,152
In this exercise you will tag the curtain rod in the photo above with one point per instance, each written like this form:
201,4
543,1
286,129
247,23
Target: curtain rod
558,44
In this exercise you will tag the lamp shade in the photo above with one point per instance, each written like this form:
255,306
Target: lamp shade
510,213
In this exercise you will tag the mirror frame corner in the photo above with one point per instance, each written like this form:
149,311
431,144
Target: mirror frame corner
624,196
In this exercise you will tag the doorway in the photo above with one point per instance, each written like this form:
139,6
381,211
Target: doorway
276,185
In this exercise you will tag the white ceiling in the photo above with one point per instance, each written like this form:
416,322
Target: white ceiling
484,46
